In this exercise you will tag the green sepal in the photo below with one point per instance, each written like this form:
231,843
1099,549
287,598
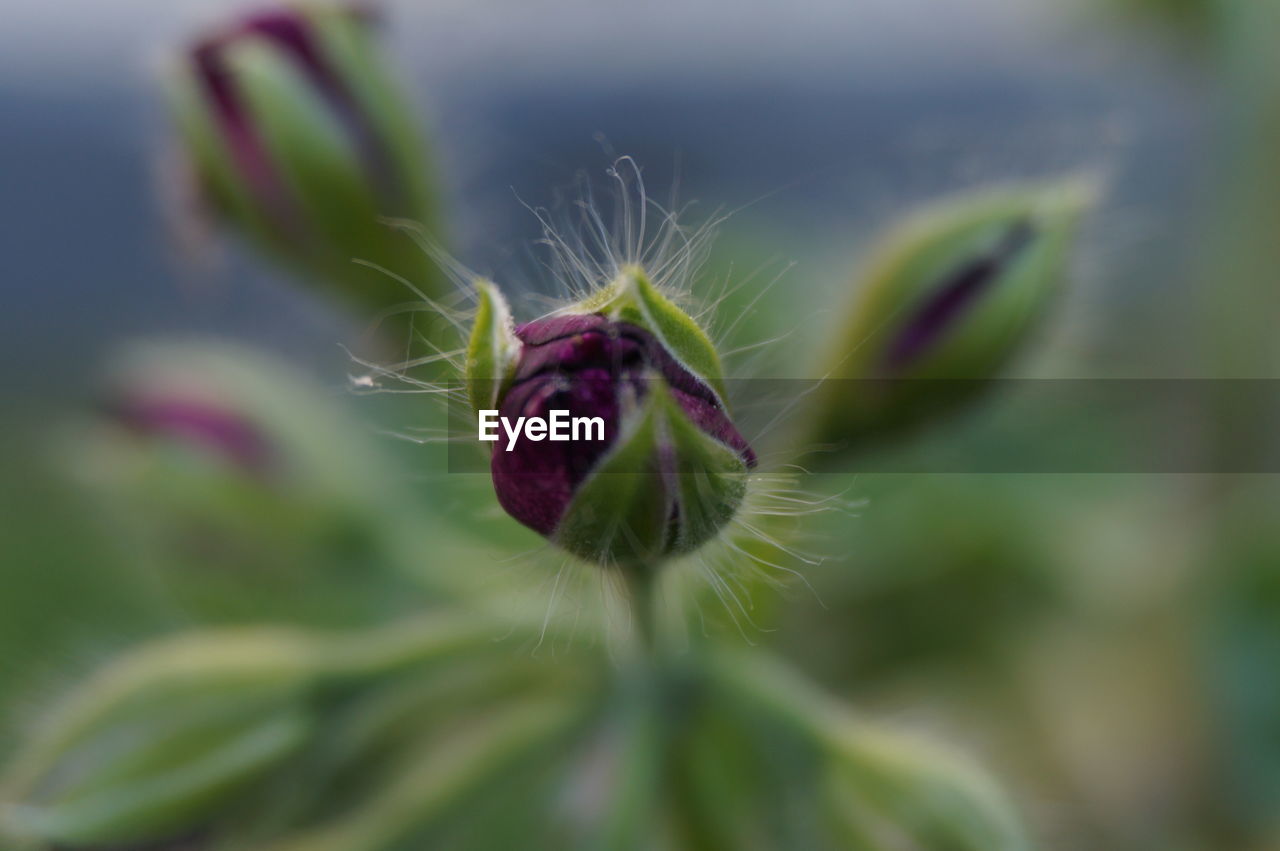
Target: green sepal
492,350
711,481
351,45
922,252
621,512
334,208
665,488
632,297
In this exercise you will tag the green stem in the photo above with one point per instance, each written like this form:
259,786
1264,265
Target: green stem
641,590
644,729
641,744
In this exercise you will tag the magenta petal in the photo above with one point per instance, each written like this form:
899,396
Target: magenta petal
200,424
247,150
951,298
586,365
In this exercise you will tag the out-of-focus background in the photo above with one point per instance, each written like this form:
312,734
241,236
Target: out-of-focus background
1108,645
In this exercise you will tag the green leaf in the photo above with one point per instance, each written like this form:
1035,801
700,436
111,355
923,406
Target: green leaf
171,785
924,791
444,774
918,789
190,674
162,738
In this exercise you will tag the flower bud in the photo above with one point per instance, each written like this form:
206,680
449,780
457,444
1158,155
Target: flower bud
223,470
296,137
670,468
202,425
949,298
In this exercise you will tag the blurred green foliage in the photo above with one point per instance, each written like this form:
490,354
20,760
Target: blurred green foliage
1111,650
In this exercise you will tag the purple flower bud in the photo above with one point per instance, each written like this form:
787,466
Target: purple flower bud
947,301
590,366
293,35
298,139
197,423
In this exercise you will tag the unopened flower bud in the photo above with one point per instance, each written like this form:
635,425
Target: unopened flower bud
201,425
665,471
947,301
297,138
223,470
200,417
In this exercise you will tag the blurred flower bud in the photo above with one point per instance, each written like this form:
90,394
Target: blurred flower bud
297,138
949,298
222,470
198,424
666,471
161,742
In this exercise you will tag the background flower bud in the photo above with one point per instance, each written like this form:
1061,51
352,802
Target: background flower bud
223,470
949,297
668,473
297,138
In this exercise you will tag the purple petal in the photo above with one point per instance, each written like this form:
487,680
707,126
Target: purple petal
247,149
954,296
586,365
199,424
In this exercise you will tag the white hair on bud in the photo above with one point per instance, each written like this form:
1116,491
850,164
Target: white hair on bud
589,246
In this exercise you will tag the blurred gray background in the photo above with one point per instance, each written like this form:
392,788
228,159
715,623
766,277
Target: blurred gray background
816,122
